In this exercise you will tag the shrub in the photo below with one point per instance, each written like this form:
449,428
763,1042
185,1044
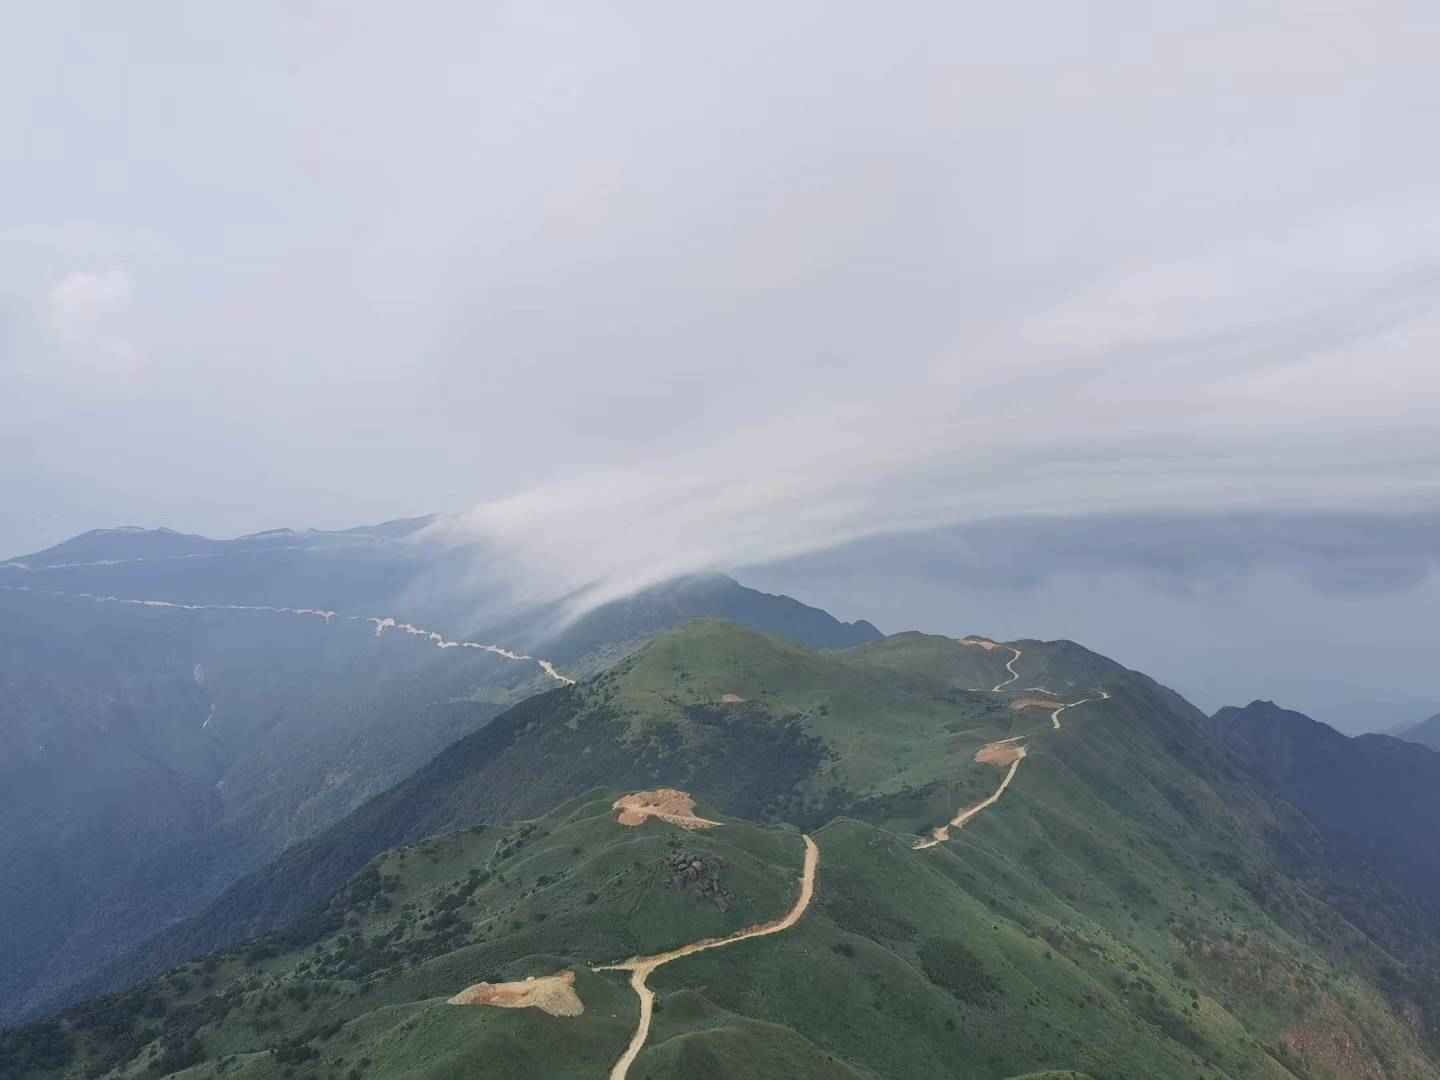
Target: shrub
951,964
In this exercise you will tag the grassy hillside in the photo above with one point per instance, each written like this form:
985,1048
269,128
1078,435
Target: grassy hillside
152,756
1120,912
361,986
815,735
962,961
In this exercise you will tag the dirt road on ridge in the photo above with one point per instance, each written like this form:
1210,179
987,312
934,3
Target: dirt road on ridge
1102,695
439,640
998,753
940,835
989,646
641,967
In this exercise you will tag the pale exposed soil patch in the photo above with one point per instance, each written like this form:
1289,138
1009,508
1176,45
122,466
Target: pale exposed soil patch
640,967
667,804
1032,703
554,994
732,699
1000,754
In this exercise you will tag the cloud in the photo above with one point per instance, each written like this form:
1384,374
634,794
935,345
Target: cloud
715,286
1331,552
1178,389
84,307
80,300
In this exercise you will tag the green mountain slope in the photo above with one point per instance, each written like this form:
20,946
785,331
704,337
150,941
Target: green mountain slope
1374,804
1119,911
151,754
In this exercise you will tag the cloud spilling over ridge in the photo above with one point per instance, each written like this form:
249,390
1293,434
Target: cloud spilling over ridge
1067,444
1297,374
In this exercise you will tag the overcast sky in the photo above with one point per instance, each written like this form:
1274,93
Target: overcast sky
645,287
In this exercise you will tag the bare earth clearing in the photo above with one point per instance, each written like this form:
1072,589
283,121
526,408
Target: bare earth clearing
1000,753
554,994
1032,703
667,804
640,967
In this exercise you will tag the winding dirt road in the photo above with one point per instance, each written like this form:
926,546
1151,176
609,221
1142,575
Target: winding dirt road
988,646
991,754
381,624
1103,695
940,835
641,967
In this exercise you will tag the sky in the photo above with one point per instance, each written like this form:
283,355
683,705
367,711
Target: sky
637,289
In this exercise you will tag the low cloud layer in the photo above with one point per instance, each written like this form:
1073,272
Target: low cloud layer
1336,554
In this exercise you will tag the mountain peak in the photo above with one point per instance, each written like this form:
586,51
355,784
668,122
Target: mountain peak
711,596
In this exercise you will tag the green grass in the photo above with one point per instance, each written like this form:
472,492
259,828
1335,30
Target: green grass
1118,913
565,891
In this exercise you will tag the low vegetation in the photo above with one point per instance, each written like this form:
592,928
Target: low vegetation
1119,914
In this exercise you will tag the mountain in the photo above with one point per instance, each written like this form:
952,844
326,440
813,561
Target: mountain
1374,802
713,596
124,544
1126,888
1426,733
175,711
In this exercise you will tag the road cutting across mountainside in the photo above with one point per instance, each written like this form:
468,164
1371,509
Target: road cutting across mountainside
1026,703
1101,695
1004,752
1011,752
641,967
989,646
381,623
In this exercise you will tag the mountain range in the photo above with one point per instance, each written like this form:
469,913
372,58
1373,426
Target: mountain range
175,711
722,835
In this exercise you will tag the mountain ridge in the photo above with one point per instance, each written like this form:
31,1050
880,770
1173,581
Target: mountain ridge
1117,908
237,698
